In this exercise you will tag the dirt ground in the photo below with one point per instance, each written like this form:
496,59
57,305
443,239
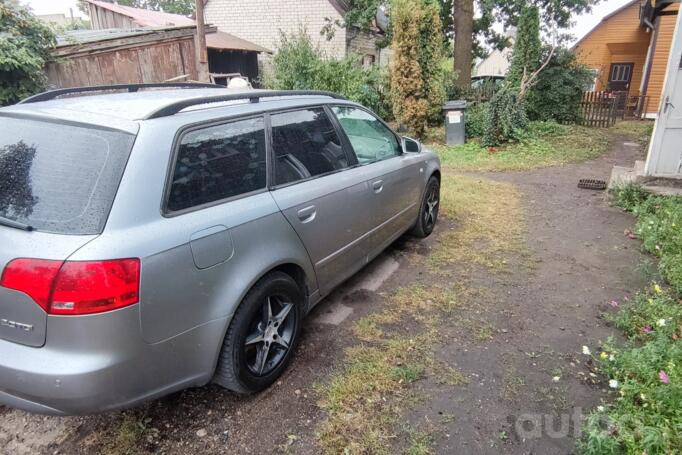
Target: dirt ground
525,383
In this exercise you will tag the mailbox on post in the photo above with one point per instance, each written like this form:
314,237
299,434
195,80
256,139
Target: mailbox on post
454,122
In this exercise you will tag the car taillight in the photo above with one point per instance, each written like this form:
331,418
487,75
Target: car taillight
75,287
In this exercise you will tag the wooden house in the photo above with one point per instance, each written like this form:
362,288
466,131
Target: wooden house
629,51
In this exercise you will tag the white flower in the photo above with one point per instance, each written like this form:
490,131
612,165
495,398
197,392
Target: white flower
613,384
600,408
556,378
586,350
661,322
612,357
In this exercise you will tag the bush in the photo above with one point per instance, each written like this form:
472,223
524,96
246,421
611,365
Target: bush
300,65
505,118
25,44
476,117
559,89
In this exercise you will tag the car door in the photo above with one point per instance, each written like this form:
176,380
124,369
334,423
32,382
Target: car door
326,201
394,177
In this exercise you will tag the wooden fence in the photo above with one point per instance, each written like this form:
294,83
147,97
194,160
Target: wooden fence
602,109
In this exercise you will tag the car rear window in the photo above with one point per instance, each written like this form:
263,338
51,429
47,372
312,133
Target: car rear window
59,177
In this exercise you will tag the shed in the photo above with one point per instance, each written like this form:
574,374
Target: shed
102,57
227,53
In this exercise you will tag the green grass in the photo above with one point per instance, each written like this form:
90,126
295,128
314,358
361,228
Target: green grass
636,130
547,144
645,416
659,226
645,373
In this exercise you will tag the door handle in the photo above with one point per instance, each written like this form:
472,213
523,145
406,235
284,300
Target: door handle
378,186
306,215
667,104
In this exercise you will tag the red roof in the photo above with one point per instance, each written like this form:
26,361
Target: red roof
144,17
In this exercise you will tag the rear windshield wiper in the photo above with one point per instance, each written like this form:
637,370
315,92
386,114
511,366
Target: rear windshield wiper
15,224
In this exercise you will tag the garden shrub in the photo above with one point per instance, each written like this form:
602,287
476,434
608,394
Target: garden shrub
25,44
299,65
505,118
476,115
558,92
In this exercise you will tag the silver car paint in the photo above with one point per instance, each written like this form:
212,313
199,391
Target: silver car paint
196,265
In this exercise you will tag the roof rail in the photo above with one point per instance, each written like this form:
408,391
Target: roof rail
253,97
53,94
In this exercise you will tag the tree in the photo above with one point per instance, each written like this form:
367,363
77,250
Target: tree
555,15
526,52
463,11
25,45
416,76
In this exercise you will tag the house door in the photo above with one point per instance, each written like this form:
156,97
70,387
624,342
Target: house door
665,154
620,76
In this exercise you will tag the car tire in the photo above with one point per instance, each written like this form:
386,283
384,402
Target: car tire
238,364
428,210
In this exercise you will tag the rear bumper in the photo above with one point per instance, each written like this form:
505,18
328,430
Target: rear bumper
100,363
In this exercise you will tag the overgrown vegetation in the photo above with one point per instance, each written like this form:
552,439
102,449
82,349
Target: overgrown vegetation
416,75
659,226
558,92
300,65
646,371
505,119
543,144
25,44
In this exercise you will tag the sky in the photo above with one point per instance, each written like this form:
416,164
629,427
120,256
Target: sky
584,23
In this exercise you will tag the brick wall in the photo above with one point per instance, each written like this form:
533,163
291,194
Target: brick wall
260,21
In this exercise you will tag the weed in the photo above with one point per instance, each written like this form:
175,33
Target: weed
420,443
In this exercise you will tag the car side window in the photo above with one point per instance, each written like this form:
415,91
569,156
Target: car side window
305,145
219,162
371,139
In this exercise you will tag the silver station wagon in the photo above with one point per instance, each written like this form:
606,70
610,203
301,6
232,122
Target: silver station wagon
154,238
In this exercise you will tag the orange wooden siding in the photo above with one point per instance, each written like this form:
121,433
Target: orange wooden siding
666,28
619,38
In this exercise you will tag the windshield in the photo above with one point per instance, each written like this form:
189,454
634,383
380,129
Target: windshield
59,178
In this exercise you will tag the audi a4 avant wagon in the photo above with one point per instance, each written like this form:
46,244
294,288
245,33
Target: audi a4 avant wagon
157,238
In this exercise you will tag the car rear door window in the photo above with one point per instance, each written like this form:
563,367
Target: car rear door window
371,139
57,177
306,145
217,163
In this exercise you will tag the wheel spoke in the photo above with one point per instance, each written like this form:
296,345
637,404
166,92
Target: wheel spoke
254,338
282,342
262,357
284,312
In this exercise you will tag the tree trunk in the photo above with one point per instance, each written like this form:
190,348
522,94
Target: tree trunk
463,12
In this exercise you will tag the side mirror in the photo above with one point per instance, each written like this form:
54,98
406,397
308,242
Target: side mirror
411,145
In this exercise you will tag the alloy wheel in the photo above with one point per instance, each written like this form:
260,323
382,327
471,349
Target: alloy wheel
270,335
